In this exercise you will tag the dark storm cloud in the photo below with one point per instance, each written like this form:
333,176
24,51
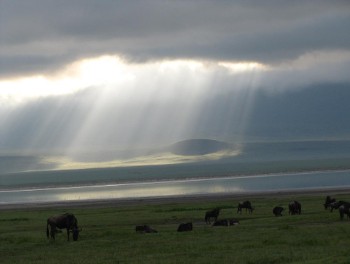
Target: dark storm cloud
38,36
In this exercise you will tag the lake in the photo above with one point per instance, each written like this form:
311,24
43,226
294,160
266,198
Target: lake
221,185
261,167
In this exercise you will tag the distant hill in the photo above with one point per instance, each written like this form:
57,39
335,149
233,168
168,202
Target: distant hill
198,147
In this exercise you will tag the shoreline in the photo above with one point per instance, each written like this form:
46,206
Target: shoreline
91,183
119,202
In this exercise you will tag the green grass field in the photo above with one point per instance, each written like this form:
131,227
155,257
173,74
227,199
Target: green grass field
108,236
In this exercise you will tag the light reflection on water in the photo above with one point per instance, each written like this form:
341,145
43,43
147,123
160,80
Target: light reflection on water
259,183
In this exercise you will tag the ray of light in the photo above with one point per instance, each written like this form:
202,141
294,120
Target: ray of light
105,103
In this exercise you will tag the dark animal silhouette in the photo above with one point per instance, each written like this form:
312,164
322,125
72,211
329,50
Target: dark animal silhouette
185,227
247,205
145,229
294,208
328,202
277,211
222,222
212,214
64,221
336,205
226,222
344,209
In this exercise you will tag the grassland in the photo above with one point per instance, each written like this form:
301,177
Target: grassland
108,236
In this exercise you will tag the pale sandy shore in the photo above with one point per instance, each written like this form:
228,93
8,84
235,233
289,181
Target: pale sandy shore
175,199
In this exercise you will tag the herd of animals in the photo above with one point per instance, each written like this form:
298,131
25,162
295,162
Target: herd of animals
70,223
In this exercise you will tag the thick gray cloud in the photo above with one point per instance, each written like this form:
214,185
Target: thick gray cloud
39,36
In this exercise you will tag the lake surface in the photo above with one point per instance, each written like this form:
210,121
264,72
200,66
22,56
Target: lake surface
261,167
221,185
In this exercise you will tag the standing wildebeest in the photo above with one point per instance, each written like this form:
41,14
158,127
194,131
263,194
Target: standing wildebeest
185,227
328,202
247,205
277,211
212,214
344,209
294,208
62,221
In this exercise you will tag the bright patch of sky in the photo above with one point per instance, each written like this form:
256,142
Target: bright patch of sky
110,71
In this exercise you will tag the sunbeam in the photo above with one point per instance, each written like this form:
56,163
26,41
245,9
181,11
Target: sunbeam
107,105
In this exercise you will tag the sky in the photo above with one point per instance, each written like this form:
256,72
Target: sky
102,76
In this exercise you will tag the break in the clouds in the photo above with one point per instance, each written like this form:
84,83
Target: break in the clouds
100,76
105,103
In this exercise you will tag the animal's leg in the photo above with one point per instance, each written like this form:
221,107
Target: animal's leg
53,231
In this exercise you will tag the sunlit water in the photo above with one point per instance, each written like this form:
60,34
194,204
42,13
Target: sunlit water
223,185
304,166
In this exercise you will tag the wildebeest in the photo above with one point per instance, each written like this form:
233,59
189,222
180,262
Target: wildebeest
277,211
328,202
226,222
212,214
294,208
185,227
247,205
336,205
145,229
344,209
67,221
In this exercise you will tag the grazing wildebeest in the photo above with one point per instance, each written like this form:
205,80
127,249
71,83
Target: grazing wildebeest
277,211
67,220
212,214
145,229
344,209
226,222
294,208
247,205
328,202
221,222
185,227
336,205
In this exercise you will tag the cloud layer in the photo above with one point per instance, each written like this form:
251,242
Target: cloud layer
41,36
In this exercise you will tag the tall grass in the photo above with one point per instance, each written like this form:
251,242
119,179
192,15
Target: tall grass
108,236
